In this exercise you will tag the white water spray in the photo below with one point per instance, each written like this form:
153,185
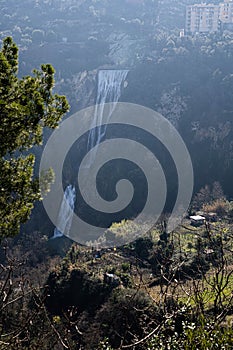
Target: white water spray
109,90
66,212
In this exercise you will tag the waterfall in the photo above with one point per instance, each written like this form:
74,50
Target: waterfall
66,211
108,90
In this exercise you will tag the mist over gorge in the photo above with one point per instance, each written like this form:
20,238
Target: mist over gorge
116,197
187,79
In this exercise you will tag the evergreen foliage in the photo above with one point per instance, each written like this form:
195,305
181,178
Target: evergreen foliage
27,106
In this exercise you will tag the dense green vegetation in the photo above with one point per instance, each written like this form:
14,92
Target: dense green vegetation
189,80
27,106
162,291
165,290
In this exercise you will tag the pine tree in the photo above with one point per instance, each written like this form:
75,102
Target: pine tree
27,106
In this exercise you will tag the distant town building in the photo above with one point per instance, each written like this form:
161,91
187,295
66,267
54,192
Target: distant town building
213,217
197,220
226,11
226,14
202,18
182,33
111,279
209,18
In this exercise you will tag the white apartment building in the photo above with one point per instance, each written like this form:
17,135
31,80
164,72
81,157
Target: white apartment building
207,18
226,11
202,18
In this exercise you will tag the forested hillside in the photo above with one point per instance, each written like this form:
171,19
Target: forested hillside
188,80
164,290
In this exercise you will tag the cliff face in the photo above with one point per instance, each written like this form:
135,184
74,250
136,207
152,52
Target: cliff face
188,80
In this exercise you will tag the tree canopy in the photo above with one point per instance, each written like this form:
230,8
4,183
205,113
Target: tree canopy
27,106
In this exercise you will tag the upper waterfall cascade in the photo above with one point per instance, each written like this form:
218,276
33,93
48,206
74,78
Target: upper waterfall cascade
109,90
